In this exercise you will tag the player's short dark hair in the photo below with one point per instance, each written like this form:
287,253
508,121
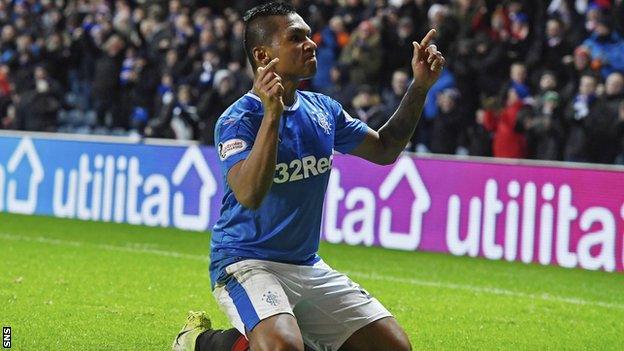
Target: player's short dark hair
259,31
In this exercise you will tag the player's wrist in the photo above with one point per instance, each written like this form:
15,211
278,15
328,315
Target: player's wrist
273,114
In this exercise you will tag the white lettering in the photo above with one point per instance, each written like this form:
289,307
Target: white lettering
491,208
546,224
84,178
323,165
96,195
566,213
309,166
155,207
296,175
120,189
470,245
333,196
511,221
135,180
65,209
528,222
301,169
109,178
605,237
364,215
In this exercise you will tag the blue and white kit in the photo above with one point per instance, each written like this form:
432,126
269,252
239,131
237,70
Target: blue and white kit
264,261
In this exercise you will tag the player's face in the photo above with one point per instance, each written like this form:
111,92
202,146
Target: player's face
295,49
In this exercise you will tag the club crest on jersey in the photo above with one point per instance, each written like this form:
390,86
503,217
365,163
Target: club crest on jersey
321,119
231,147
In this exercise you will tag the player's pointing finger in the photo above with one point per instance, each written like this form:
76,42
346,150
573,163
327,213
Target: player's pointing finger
427,39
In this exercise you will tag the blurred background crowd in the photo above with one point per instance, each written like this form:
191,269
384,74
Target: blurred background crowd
533,79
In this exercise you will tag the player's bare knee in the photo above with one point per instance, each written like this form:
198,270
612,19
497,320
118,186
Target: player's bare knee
403,344
279,343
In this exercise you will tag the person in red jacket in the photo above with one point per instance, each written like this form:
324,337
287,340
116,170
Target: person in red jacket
508,141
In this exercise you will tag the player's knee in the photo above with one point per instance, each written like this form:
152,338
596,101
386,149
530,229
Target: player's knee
402,344
281,342
396,342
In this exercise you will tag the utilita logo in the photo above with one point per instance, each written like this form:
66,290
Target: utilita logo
110,188
521,234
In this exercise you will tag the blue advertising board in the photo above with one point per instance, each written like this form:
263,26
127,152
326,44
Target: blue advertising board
153,185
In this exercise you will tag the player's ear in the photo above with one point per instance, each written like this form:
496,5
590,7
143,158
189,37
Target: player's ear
261,55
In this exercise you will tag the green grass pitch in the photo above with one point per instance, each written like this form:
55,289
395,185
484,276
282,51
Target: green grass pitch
72,285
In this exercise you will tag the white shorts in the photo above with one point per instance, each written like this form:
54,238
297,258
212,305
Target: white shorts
329,307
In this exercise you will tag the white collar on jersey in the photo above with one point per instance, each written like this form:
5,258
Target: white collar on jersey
294,106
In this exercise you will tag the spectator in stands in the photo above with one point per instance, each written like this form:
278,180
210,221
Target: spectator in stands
186,43
606,47
7,110
212,103
620,134
392,96
422,136
542,126
352,14
508,140
397,40
327,52
577,67
106,84
340,89
178,118
142,83
368,108
363,55
447,128
38,108
601,124
548,82
549,52
440,19
489,64
576,113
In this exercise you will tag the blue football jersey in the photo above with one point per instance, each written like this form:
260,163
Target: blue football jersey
286,226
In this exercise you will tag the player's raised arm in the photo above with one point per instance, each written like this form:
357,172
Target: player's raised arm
385,146
251,179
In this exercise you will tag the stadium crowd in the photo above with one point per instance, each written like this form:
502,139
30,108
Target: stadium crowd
525,78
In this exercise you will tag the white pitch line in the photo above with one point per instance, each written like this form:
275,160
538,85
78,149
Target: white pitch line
132,247
487,290
136,248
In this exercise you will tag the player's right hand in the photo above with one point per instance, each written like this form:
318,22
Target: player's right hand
268,86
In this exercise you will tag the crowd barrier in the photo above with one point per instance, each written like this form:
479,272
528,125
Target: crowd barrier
544,213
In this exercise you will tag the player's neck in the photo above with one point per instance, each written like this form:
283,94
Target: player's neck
290,90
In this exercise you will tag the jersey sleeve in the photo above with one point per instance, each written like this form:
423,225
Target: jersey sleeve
350,131
234,138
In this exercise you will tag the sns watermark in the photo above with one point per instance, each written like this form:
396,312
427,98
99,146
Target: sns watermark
6,337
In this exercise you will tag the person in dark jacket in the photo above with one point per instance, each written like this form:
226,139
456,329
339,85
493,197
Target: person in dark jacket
106,84
602,143
542,126
447,127
178,118
575,117
212,104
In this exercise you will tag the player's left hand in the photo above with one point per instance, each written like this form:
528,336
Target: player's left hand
427,62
